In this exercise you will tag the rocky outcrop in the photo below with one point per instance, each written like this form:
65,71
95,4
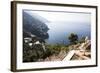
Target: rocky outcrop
34,25
35,31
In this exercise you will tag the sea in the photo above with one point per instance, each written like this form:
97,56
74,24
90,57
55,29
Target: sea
60,31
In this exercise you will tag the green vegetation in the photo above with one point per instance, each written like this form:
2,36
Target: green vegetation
73,38
57,48
36,53
33,53
82,39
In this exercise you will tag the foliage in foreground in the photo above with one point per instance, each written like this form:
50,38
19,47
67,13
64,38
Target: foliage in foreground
36,53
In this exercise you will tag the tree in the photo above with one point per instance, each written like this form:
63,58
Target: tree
73,38
82,39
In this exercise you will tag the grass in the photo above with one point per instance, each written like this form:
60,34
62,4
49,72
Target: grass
36,52
57,48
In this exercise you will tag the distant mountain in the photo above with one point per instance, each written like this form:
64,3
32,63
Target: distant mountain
34,24
37,16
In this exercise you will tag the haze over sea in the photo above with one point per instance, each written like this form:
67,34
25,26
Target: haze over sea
62,24
59,31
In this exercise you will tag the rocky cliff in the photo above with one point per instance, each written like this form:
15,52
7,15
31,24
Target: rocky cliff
34,25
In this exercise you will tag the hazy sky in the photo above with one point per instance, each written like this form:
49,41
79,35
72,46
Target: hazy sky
63,23
64,16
